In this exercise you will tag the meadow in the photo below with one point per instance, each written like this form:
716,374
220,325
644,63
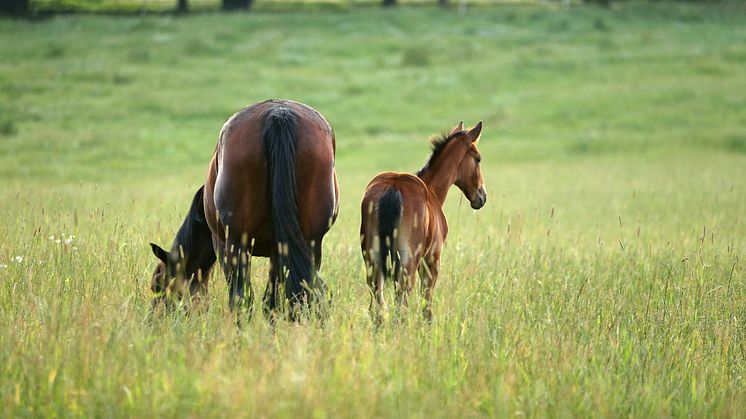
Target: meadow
604,277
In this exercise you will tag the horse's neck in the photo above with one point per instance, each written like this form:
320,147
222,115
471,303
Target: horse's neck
204,255
195,241
441,175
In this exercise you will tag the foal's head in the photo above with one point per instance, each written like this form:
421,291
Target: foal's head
469,178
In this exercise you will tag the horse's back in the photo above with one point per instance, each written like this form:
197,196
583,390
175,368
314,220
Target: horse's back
241,136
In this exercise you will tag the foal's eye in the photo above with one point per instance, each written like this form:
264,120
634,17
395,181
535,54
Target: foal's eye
478,159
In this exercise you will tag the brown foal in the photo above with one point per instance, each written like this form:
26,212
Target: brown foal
403,226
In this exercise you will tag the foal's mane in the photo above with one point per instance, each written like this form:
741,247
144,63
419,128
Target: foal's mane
438,144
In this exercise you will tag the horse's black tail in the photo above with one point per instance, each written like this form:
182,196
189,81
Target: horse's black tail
293,259
389,215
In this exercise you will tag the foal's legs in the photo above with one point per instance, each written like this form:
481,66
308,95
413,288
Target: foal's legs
375,284
429,276
378,281
406,280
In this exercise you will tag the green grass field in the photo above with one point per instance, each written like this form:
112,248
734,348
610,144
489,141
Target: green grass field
605,276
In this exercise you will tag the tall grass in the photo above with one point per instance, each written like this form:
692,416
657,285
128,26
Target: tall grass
604,277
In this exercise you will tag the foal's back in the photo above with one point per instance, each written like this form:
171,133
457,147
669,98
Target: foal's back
421,220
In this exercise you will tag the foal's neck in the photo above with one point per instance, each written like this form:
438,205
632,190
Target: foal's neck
441,174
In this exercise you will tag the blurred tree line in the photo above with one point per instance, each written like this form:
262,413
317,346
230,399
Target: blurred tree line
14,7
22,7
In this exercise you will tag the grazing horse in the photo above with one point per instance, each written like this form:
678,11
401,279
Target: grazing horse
271,191
403,220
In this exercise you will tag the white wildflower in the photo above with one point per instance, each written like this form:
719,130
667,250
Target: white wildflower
67,239
3,266
18,259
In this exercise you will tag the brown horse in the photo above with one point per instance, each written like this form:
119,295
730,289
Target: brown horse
271,191
403,219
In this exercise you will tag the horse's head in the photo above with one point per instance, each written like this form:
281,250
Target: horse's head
469,178
168,276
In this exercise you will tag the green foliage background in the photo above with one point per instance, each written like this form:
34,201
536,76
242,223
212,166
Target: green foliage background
604,277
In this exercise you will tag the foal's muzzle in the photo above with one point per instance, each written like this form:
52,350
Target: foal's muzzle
480,199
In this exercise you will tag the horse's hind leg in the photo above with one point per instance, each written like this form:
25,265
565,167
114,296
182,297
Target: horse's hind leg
319,286
236,266
270,294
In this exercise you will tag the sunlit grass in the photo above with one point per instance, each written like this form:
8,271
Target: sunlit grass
604,277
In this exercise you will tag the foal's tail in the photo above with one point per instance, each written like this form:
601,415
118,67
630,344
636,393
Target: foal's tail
389,215
292,250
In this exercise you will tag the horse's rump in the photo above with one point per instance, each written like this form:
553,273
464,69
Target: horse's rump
272,190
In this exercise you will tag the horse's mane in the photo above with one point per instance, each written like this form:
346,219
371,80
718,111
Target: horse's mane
438,144
194,224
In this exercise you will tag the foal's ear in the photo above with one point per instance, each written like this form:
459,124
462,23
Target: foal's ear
159,253
474,133
457,128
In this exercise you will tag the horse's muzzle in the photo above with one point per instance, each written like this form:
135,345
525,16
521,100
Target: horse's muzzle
479,200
